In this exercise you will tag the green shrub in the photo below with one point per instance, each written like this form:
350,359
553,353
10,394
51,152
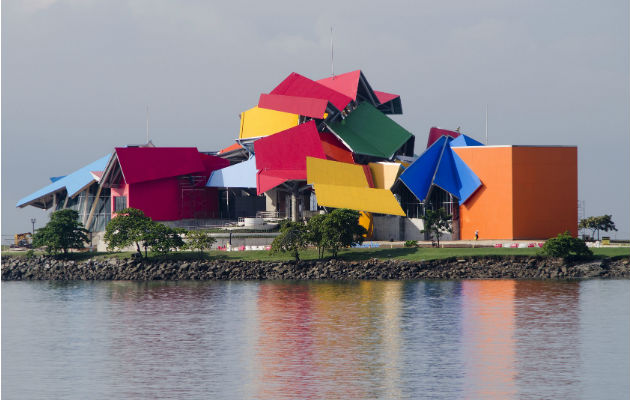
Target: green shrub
199,240
566,246
161,239
411,243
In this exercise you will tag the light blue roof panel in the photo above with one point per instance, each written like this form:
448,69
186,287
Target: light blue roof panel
73,182
465,141
241,175
468,180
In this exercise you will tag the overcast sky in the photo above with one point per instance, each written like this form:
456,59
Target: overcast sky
77,76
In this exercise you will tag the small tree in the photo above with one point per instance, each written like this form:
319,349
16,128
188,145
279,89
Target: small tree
596,224
436,223
62,232
604,223
566,246
588,224
292,239
129,227
315,233
199,240
341,229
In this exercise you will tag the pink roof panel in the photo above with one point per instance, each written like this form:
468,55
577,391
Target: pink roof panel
97,175
141,164
306,106
347,83
384,97
300,86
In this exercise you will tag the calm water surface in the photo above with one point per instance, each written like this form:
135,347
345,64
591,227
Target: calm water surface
357,340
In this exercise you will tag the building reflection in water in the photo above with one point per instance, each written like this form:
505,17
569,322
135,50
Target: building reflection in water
431,362
329,340
495,339
488,329
165,337
285,350
392,326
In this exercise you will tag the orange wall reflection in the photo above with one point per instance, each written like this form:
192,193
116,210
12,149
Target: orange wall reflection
488,328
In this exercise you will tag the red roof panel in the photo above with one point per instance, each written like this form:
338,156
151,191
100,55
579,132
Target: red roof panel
436,133
298,85
212,163
141,164
335,150
368,175
306,106
282,157
233,147
288,149
269,179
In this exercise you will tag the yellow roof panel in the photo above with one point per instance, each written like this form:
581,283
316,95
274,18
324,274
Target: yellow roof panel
384,174
257,122
380,201
335,173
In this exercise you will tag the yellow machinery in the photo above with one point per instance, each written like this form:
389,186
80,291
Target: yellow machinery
23,239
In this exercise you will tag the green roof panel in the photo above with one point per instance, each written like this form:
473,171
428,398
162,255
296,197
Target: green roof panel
369,132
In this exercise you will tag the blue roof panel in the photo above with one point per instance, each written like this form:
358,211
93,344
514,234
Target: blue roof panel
446,175
439,165
418,177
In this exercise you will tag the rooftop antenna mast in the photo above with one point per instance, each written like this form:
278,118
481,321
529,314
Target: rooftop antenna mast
332,54
147,124
486,124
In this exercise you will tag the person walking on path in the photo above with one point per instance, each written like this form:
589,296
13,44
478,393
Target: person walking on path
476,235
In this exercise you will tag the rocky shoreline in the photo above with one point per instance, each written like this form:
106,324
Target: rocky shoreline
47,268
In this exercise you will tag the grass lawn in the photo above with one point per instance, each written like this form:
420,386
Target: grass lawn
411,254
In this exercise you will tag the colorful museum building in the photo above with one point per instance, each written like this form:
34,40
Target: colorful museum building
310,146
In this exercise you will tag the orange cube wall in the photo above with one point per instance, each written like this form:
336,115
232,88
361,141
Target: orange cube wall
528,192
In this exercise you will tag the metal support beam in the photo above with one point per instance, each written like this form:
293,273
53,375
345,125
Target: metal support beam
84,212
294,206
88,223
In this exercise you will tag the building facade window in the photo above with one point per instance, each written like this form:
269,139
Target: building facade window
120,203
